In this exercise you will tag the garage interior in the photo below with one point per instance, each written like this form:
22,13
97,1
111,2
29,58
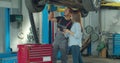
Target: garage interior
24,25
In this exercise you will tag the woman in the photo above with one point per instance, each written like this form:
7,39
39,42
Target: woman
75,37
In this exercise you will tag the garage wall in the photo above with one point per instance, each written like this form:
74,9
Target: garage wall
24,28
2,30
93,20
6,3
15,29
110,20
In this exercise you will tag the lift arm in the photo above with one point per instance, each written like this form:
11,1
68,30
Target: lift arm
33,27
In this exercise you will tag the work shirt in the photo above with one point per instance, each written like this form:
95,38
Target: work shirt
62,21
75,39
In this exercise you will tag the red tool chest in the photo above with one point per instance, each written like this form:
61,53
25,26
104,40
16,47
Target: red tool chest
35,53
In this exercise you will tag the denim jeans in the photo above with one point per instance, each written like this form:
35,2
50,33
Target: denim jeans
76,54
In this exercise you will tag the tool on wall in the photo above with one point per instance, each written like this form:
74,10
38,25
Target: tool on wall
92,37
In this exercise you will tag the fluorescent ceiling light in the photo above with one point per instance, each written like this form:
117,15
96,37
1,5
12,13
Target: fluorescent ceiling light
112,0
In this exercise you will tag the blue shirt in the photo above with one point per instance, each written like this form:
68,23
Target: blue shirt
75,39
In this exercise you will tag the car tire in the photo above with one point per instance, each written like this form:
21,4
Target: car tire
91,5
33,6
84,13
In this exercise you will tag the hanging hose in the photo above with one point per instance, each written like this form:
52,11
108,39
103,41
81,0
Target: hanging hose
33,27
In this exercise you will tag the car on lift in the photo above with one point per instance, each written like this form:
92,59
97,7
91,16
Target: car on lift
38,5
83,5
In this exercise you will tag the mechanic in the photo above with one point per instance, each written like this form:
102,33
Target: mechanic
60,41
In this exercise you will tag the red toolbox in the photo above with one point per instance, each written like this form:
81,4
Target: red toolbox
35,53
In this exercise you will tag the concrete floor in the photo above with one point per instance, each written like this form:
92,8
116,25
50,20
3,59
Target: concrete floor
94,60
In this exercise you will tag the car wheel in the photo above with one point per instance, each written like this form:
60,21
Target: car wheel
91,5
35,5
84,13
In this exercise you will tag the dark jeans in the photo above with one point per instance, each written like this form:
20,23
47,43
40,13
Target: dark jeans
60,44
76,54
